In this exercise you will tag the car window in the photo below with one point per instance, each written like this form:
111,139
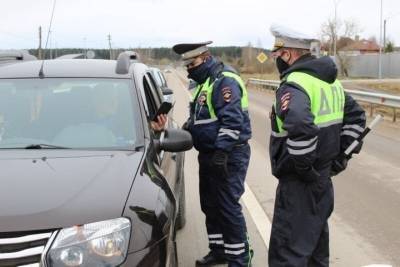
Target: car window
153,103
68,112
155,90
157,78
163,81
152,100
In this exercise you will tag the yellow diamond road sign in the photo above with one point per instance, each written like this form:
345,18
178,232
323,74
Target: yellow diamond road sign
262,57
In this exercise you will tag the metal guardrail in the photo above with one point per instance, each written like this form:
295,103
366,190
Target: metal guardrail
376,98
267,83
386,100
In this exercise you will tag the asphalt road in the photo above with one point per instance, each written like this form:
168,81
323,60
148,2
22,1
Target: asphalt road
365,226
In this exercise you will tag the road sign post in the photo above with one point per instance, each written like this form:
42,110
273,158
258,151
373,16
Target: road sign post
262,57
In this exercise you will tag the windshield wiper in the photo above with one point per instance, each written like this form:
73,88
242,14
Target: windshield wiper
41,146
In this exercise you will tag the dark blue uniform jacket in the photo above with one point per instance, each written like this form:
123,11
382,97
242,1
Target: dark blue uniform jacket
232,126
321,144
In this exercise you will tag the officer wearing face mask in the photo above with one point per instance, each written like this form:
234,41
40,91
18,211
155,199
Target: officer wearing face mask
220,126
312,121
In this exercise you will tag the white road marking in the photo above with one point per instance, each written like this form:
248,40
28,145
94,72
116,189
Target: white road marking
257,213
377,265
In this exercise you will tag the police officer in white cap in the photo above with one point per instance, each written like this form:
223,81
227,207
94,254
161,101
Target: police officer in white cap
312,121
220,126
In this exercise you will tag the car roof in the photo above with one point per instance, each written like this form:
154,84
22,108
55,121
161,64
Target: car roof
71,68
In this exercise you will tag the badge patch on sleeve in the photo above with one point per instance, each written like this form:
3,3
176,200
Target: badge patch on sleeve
227,94
285,100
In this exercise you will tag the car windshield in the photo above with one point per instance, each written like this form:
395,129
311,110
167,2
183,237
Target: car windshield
67,113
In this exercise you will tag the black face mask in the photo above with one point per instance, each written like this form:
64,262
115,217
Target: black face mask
281,65
200,73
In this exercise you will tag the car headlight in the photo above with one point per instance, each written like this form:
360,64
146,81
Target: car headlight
96,244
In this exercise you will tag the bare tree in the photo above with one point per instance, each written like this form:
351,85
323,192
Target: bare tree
348,28
343,33
328,30
351,28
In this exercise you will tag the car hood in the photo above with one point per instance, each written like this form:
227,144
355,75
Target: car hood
46,189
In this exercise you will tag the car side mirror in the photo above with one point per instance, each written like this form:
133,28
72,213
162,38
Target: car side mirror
174,140
167,91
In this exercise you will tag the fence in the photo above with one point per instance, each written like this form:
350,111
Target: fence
367,66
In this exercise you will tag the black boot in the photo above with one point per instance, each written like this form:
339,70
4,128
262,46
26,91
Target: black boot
211,259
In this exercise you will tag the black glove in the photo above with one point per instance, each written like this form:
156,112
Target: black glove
220,162
185,126
357,149
339,165
308,174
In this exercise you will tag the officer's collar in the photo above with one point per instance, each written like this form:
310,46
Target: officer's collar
303,59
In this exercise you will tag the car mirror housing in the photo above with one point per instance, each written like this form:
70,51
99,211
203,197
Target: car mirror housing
174,140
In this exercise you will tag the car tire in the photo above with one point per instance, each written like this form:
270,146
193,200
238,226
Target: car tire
181,217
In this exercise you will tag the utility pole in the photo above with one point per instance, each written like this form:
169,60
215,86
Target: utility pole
334,33
85,50
40,43
336,2
384,28
380,43
51,51
384,34
109,42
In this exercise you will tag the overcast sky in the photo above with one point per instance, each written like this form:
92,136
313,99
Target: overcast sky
156,23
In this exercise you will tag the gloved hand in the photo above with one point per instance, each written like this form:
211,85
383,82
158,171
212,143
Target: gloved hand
357,149
339,165
185,126
220,162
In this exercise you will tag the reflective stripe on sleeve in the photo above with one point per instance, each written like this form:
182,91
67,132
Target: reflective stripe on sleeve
236,137
302,151
301,143
350,133
224,130
232,133
354,127
206,121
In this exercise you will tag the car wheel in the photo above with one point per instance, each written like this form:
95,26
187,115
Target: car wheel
181,218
